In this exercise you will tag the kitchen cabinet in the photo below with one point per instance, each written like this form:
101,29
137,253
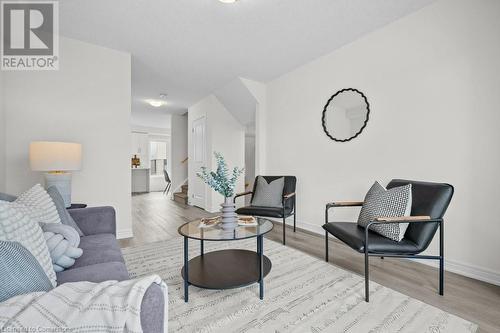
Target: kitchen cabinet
140,147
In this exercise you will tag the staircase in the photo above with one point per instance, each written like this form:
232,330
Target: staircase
182,197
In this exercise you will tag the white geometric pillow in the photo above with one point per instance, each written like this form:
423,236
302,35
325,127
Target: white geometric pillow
380,202
16,226
39,205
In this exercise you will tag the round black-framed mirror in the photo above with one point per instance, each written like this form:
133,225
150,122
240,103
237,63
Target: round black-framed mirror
345,115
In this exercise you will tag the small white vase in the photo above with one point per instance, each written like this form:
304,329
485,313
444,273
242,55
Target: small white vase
229,218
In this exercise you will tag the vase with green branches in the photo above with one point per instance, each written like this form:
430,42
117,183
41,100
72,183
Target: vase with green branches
223,181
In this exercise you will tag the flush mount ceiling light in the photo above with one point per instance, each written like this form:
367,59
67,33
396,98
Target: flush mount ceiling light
228,1
155,103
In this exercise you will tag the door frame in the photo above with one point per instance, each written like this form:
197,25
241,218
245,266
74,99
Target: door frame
201,202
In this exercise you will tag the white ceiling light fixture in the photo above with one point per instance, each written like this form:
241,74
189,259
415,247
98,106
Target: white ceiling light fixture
155,103
228,1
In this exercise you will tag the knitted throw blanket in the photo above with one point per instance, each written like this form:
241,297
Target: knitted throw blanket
109,306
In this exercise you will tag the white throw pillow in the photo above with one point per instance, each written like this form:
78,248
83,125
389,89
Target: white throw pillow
379,202
16,226
38,205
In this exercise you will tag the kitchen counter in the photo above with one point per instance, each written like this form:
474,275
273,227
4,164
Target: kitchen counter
140,180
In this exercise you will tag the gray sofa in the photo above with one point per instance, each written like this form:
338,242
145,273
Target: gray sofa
102,260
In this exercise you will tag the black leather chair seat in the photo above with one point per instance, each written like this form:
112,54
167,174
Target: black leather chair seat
264,211
354,236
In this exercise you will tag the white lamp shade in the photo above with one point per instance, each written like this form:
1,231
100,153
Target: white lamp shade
55,156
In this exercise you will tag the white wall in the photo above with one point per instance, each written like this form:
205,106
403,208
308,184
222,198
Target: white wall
432,81
179,151
225,135
249,165
259,91
2,136
87,101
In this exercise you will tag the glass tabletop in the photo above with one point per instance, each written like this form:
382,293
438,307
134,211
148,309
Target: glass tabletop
216,233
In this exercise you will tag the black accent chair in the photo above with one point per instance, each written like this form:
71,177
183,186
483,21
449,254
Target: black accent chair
289,201
429,204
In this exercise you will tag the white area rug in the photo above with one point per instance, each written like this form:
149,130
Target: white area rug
302,294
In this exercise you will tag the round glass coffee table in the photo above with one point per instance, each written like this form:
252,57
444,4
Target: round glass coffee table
225,269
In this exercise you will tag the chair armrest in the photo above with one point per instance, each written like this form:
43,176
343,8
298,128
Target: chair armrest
289,195
95,220
341,204
344,204
403,219
400,219
241,195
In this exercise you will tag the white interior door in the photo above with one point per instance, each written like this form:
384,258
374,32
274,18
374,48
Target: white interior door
199,156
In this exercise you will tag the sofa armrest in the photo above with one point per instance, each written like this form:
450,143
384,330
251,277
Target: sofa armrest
153,310
95,220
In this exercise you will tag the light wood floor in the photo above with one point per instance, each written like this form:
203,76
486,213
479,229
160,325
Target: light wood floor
157,218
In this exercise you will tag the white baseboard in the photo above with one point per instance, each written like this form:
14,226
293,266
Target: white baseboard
310,227
124,233
468,270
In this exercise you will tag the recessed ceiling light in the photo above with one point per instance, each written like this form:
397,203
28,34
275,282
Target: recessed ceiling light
155,103
228,1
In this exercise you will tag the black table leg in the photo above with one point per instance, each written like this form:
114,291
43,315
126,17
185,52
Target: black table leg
186,276
260,252
202,248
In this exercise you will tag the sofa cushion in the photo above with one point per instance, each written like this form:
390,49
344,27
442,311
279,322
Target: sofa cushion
98,249
94,273
61,209
95,220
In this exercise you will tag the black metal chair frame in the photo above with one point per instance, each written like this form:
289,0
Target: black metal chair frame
368,253
284,200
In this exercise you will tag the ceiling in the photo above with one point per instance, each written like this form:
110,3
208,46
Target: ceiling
190,48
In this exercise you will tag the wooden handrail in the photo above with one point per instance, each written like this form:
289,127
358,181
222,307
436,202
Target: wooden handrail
185,160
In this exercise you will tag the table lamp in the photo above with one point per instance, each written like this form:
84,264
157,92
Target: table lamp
56,159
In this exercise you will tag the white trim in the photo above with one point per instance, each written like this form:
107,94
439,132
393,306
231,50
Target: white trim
468,270
124,233
460,268
311,227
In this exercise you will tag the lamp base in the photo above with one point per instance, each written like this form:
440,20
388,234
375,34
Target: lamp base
61,180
